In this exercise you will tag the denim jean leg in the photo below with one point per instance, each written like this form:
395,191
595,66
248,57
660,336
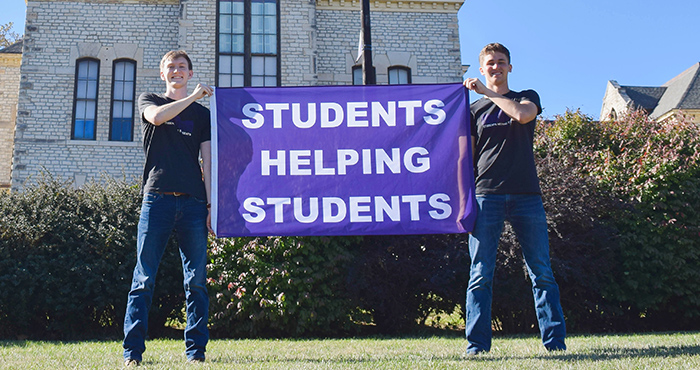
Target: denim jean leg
192,237
527,215
154,228
483,246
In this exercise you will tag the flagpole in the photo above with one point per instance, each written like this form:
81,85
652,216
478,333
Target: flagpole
368,74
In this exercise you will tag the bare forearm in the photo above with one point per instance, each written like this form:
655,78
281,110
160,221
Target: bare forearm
206,171
205,149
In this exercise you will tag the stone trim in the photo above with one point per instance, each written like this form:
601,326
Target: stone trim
135,2
10,60
104,143
692,114
439,6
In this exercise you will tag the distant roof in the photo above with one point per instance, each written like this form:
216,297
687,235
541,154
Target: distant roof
15,48
682,92
646,97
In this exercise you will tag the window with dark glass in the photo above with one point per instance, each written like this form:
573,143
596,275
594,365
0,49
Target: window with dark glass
399,75
248,43
123,90
85,99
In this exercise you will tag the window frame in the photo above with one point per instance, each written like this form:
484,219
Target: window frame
355,69
112,99
398,68
247,42
76,83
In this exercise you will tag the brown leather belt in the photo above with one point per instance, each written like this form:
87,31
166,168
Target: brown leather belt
173,193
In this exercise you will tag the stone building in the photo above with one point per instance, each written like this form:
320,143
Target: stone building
10,60
84,62
680,94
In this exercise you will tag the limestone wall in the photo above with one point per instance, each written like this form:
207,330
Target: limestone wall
318,43
9,88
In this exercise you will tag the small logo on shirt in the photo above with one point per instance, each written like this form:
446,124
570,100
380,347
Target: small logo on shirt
184,127
496,119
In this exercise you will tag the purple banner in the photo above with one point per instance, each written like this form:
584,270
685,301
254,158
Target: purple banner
341,160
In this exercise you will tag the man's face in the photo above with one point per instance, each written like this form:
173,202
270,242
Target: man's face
495,68
176,72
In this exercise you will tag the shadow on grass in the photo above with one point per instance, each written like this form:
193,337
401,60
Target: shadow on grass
26,342
603,354
591,355
615,353
329,360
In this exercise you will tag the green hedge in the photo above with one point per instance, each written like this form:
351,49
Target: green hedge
66,258
622,208
621,200
292,286
653,169
333,286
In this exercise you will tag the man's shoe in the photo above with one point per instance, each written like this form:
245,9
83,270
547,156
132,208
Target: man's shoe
195,360
130,362
556,349
474,352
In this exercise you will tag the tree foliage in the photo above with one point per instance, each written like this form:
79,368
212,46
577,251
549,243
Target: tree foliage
7,36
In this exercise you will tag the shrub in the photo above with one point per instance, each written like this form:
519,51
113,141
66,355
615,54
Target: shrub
582,246
281,286
402,279
621,200
321,286
66,258
654,168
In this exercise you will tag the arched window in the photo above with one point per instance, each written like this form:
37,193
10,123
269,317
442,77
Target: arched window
248,43
613,115
85,98
123,91
399,75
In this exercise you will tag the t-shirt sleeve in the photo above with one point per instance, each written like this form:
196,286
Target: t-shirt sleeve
145,101
533,96
472,123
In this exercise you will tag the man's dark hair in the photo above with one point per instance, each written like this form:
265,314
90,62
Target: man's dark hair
494,47
174,54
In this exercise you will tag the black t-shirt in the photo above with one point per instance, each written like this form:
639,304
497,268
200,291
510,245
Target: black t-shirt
172,149
504,162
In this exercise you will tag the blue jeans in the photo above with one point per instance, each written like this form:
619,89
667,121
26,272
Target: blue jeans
526,214
160,215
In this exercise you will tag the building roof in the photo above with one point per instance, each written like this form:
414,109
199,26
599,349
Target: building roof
646,97
15,48
682,92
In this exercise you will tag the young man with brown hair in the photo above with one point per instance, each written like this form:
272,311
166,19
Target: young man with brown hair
507,188
176,131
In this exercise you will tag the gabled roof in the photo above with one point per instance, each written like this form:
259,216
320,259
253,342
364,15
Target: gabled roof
15,48
646,97
682,92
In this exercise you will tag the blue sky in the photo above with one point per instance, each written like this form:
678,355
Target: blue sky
567,50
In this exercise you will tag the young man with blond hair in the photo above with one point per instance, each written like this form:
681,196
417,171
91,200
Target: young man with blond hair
507,188
176,187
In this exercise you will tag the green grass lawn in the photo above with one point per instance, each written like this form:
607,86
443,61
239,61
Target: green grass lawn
633,351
